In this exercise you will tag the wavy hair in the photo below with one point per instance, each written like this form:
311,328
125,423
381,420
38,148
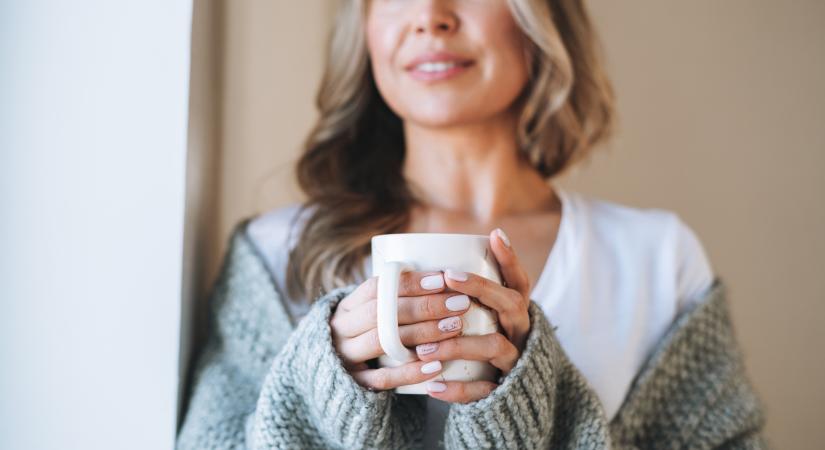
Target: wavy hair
351,166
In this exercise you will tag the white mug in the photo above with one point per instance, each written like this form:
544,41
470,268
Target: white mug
396,253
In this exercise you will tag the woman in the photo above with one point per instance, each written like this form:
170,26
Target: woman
451,116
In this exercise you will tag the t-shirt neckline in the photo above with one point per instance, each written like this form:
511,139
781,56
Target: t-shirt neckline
553,269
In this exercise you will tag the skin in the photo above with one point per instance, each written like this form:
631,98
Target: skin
463,163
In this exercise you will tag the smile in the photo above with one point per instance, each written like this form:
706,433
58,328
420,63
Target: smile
440,70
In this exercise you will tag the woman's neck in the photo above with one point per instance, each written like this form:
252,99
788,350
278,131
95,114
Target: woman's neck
474,171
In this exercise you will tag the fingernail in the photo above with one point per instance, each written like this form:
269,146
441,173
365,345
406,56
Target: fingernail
432,282
431,367
503,237
436,386
458,303
456,275
426,349
449,324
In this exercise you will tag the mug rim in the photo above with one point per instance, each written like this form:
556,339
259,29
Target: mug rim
434,235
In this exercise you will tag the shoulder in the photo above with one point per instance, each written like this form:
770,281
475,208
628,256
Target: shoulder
627,231
274,234
275,228
656,238
611,220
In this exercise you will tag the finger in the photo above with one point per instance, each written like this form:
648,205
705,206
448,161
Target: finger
460,391
409,284
391,377
492,347
367,345
359,366
514,274
410,310
431,307
348,324
488,292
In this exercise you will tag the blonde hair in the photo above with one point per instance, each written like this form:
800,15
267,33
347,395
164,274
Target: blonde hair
351,166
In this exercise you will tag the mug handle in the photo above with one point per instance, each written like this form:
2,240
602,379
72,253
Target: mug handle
387,312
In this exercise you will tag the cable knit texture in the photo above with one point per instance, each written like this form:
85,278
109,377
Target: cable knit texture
262,383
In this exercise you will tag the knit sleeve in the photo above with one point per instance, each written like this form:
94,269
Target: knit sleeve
532,406
260,384
692,393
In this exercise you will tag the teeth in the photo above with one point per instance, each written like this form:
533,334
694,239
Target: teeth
435,66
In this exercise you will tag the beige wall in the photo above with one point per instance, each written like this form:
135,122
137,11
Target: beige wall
255,66
722,112
272,66
201,226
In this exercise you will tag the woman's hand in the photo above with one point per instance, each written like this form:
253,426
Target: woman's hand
425,314
502,351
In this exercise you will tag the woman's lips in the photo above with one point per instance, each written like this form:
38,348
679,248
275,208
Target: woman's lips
456,69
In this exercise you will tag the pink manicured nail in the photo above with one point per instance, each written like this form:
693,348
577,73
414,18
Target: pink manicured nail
426,349
435,386
432,282
458,303
431,367
503,237
449,324
456,275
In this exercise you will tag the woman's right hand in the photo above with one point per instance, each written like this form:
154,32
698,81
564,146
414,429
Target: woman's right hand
424,315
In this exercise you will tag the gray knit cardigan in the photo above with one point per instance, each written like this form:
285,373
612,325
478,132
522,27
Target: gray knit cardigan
263,382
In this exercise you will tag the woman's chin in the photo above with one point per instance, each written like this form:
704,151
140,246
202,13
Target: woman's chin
442,119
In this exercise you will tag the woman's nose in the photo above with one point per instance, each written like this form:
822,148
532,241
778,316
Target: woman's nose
436,17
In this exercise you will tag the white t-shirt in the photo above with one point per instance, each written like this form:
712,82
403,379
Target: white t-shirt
614,281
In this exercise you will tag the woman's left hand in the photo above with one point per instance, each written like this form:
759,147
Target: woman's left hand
502,351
